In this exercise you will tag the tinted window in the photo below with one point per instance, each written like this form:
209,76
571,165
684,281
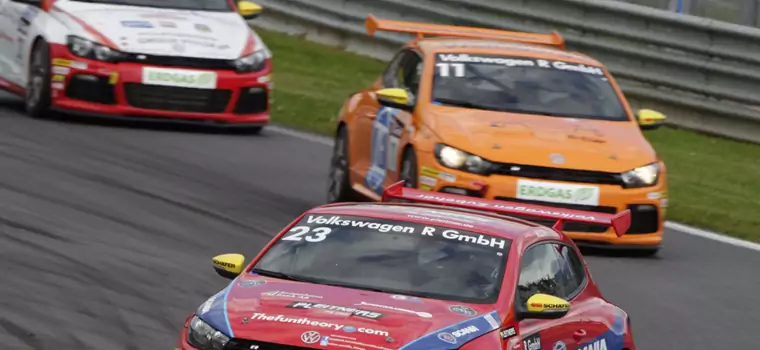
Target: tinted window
404,71
200,5
392,256
525,85
550,268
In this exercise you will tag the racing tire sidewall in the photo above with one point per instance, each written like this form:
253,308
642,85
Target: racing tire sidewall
38,73
409,170
339,162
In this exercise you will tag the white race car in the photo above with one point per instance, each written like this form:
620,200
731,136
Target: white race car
190,60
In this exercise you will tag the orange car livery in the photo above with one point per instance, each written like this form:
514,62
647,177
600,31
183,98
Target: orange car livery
503,115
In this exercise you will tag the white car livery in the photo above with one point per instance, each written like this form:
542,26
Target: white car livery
190,60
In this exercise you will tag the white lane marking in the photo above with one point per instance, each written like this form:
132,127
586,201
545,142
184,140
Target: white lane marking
323,140
712,235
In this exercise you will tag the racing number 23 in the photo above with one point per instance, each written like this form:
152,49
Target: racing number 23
318,234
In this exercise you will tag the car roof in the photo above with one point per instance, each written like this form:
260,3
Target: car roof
501,226
498,47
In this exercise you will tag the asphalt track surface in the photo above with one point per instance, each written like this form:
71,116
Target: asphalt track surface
107,231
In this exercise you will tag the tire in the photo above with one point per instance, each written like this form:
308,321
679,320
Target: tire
409,172
37,99
338,181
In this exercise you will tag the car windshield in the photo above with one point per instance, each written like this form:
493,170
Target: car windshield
390,256
197,5
525,85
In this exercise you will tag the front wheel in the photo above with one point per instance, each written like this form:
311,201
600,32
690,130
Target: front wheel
37,98
338,183
409,171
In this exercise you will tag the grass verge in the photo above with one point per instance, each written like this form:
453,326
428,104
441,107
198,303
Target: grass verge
711,180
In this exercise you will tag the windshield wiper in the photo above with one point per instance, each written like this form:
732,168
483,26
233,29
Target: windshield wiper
282,275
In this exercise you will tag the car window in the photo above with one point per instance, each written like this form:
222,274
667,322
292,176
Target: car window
550,268
404,71
199,5
525,85
392,256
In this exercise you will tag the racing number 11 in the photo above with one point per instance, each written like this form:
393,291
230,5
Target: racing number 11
444,69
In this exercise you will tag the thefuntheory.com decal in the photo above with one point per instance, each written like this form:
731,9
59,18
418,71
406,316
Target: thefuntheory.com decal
304,321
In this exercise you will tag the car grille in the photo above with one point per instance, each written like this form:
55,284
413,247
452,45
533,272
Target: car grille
556,174
252,100
176,99
568,226
174,61
90,88
240,344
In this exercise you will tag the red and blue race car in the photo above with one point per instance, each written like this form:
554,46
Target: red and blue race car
418,271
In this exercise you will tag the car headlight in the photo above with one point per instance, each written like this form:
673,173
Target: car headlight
641,177
205,337
87,49
251,63
453,158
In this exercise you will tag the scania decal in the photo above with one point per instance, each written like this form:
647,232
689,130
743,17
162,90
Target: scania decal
456,334
372,315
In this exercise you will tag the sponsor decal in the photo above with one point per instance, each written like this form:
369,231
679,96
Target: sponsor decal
557,192
61,70
654,195
113,78
557,158
386,307
58,77
600,344
57,86
505,207
167,24
508,333
339,309
325,341
179,78
202,28
447,177
532,342
448,61
69,63
427,180
310,337
462,310
206,306
314,323
559,346
405,298
447,337
290,295
320,233
136,24
252,283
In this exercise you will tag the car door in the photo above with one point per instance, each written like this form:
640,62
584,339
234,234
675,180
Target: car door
380,131
544,269
17,19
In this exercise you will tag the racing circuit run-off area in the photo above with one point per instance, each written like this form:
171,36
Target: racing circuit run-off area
475,189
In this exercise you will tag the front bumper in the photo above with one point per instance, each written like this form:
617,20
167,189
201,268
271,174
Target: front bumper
116,89
647,205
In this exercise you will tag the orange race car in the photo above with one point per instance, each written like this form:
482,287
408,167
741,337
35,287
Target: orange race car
503,115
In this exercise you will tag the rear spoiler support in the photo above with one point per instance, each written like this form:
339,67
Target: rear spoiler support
374,24
619,222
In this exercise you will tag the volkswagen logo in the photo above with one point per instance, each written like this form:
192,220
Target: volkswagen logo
310,337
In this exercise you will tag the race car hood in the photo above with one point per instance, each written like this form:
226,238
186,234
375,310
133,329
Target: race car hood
302,314
528,139
166,32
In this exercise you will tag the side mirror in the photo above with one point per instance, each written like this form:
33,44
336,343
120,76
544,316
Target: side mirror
544,307
249,10
650,119
229,265
395,98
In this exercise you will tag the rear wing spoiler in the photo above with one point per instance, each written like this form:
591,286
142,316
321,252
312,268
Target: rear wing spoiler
620,222
421,29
